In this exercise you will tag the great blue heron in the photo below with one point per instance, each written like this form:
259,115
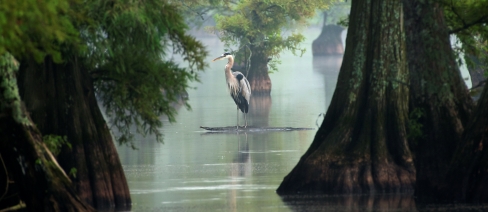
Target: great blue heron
239,87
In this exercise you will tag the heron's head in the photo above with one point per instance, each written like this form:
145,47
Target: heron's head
224,55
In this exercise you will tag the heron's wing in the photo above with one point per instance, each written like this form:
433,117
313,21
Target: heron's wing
244,87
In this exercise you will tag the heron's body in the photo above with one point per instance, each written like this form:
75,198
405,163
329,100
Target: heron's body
239,87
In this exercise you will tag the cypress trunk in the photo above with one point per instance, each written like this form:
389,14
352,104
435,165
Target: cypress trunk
329,41
61,101
437,93
361,146
258,73
30,168
468,173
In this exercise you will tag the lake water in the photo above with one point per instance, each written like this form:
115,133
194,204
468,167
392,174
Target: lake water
195,170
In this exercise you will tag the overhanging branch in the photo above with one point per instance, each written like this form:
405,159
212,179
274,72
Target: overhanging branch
481,20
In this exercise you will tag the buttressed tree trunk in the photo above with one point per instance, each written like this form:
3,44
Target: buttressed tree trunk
29,165
61,101
438,94
258,73
468,173
361,146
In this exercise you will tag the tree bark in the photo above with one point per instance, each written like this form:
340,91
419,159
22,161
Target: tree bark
258,76
361,146
437,92
61,101
30,166
468,173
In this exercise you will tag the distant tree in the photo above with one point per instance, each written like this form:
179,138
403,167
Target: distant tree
259,29
329,42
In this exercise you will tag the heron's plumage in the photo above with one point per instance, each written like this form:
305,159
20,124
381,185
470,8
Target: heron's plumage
238,85
240,91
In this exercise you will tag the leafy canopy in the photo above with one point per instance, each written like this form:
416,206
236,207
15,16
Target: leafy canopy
131,44
125,45
262,24
468,20
37,28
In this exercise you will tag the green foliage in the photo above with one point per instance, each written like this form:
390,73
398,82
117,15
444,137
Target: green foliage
36,27
125,45
261,24
55,142
468,20
73,171
10,98
414,124
196,12
344,21
129,50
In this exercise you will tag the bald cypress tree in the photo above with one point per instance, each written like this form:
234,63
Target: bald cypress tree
115,51
451,155
361,146
437,93
33,177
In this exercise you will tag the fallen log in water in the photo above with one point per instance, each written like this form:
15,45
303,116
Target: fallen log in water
252,129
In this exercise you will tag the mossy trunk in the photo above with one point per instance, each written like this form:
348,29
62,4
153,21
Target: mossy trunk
31,170
438,94
61,101
361,146
258,73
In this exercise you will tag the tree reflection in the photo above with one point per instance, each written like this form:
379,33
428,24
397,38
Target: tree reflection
329,67
380,202
260,107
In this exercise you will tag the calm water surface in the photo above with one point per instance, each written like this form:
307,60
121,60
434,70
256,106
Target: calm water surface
196,170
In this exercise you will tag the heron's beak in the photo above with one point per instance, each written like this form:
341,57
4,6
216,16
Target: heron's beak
218,58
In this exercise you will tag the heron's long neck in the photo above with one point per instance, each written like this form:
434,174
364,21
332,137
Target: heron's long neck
229,65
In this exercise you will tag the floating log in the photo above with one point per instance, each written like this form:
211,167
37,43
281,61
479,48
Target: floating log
252,129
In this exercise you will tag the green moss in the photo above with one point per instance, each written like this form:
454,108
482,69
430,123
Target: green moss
9,97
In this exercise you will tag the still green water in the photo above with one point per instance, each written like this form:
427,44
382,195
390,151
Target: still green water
196,170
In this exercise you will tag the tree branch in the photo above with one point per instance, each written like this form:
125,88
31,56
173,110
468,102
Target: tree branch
481,83
481,20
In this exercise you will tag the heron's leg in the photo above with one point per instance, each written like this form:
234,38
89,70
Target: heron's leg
237,125
245,118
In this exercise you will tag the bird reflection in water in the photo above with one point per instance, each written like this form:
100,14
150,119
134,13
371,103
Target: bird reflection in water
241,168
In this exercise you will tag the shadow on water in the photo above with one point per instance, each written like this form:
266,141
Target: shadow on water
380,202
